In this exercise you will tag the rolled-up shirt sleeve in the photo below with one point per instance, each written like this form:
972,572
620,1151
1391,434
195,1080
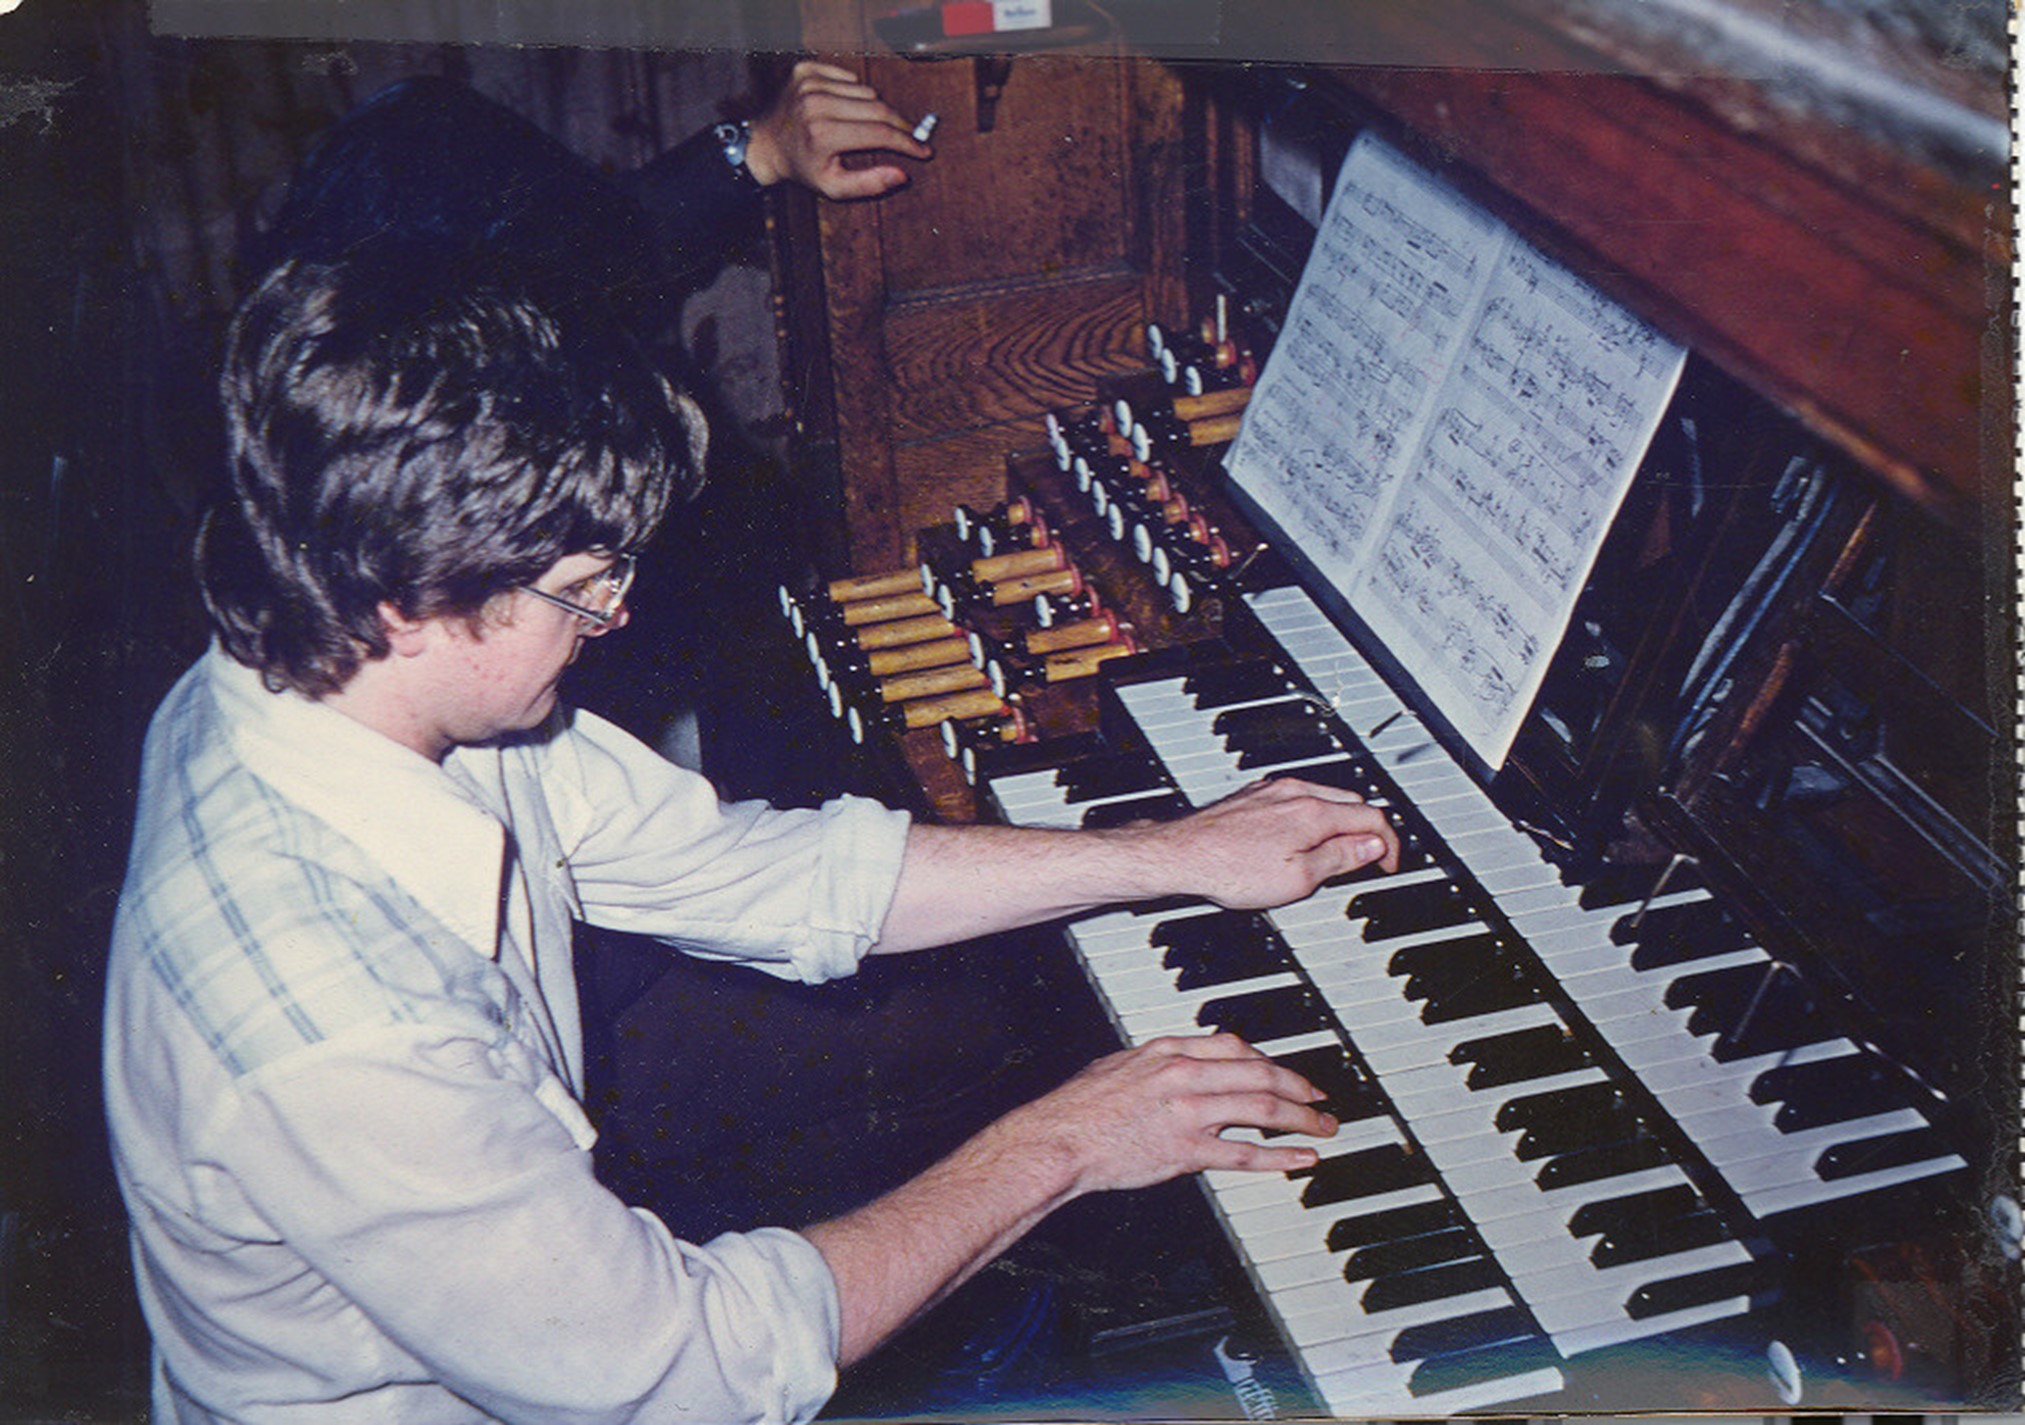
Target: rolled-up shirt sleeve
650,848
451,1202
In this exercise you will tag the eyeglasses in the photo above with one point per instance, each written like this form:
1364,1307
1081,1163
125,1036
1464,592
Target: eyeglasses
603,594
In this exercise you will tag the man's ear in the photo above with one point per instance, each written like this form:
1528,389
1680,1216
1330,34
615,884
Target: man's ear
406,636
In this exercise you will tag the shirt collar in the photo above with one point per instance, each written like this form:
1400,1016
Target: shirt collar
402,810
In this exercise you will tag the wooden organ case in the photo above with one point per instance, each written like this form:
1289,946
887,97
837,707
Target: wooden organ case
1766,792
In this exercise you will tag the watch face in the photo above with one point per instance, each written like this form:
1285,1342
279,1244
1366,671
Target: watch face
733,138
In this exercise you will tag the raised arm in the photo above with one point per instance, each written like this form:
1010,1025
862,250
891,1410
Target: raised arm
824,113
1269,844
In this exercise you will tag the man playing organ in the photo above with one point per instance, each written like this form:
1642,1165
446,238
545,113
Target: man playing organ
344,1051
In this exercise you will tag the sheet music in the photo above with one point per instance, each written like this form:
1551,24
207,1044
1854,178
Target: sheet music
1447,427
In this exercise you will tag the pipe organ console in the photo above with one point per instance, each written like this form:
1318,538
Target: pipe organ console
1682,1037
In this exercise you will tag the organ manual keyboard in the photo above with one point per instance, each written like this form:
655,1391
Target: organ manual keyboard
1676,1064
1507,1193
1595,1097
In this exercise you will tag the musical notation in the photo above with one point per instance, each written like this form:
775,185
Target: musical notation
1447,428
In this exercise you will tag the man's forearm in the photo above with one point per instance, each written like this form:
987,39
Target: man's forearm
897,1256
1268,845
960,882
1129,1120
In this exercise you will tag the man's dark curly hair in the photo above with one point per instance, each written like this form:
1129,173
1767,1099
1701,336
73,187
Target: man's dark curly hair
415,426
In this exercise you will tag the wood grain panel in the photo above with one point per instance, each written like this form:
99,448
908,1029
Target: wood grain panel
1043,195
1160,178
854,284
963,362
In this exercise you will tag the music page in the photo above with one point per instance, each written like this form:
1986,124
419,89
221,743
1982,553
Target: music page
1446,427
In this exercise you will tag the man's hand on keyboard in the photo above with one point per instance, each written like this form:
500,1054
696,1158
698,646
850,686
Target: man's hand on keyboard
1273,843
1155,1112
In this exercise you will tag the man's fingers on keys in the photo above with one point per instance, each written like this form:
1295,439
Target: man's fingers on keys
1257,1090
1351,851
1245,1156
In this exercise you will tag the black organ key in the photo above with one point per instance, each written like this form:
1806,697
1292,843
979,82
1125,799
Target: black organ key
1441,964
1607,1216
1410,1254
1783,1018
1830,1091
1220,947
1277,733
1481,978
1390,911
1546,1112
1523,1054
1642,1241
1432,1284
1679,934
1348,1090
1457,1334
1697,1289
1265,1015
1120,813
1890,1150
1614,884
1292,749
1555,1137
1752,1009
1609,1160
1345,1177
1117,774
1413,1220
1228,683
1266,722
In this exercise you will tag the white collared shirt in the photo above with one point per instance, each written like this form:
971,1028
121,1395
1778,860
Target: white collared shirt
344,1060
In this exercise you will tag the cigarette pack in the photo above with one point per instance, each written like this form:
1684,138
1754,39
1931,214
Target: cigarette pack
988,17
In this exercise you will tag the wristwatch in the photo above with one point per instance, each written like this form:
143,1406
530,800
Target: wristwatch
734,138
